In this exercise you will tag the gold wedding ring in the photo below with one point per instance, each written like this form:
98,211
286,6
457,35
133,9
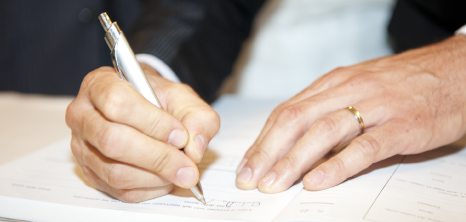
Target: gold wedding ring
358,117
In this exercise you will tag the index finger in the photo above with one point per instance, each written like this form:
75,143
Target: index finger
199,118
119,102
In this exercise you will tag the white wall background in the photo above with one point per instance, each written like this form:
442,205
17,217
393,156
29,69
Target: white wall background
296,41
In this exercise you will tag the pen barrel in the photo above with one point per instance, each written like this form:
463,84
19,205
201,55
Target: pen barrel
126,62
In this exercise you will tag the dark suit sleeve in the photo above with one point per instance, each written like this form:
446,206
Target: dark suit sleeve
416,23
198,39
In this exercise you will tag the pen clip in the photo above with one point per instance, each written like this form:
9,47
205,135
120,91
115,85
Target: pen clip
115,62
117,68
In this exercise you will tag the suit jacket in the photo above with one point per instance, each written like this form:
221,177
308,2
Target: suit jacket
416,23
48,46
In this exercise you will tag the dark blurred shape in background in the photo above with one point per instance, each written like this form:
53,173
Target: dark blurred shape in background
417,23
49,46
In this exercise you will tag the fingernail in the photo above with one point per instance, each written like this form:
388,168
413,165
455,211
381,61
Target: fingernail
245,175
201,144
241,165
186,176
316,177
177,138
269,179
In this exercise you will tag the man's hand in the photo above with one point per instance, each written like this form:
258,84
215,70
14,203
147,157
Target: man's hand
128,147
410,103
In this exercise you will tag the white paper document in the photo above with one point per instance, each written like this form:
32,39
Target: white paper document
349,201
52,175
425,187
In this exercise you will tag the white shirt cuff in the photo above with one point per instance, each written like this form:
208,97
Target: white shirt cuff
158,65
461,30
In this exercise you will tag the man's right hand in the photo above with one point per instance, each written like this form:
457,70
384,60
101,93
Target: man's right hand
128,147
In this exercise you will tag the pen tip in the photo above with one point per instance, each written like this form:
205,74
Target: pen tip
203,201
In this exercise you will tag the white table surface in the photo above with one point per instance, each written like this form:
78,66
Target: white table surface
29,122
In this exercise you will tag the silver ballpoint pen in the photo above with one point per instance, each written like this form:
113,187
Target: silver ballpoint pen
129,69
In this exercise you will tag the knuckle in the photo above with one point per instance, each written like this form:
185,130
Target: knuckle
131,196
85,171
185,87
251,150
276,112
290,114
89,176
213,115
172,88
367,146
158,124
206,117
325,125
109,141
167,189
339,165
114,102
116,177
205,113
213,118
280,108
168,86
75,147
92,77
70,115
338,71
388,62
330,79
360,79
262,155
290,162
88,157
88,80
163,159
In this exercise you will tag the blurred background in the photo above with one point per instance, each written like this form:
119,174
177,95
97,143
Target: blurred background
294,42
